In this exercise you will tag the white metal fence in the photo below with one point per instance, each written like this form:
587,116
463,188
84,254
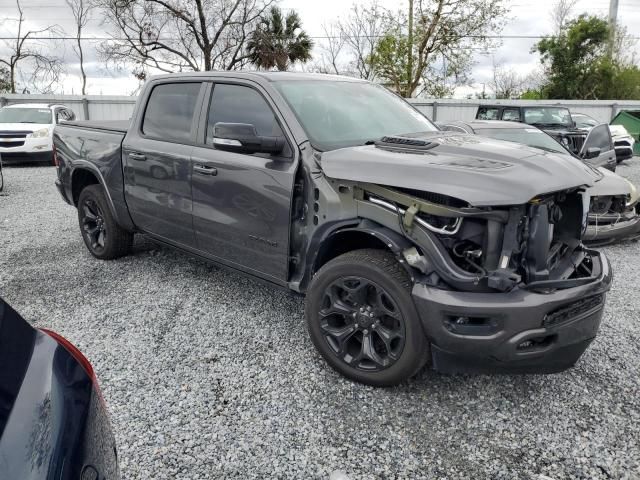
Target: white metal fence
450,109
89,107
98,107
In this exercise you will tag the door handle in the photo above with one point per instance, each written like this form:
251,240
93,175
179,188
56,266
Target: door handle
205,170
141,157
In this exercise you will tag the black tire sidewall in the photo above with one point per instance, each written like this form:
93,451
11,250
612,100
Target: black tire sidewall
95,193
416,347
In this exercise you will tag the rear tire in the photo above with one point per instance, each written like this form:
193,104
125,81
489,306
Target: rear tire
362,319
104,238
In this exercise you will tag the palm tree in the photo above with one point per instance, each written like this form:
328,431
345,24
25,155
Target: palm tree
279,42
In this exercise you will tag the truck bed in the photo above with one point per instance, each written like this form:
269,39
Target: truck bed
120,126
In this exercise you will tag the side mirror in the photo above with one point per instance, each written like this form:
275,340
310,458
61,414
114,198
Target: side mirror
243,138
592,152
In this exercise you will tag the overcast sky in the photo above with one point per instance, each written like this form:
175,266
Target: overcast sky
527,17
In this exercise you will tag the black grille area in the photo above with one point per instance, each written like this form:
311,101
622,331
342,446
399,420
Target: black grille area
574,310
13,139
15,134
6,144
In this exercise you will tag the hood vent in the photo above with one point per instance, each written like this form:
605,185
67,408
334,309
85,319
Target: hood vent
405,143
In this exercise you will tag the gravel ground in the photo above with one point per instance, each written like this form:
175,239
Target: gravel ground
211,375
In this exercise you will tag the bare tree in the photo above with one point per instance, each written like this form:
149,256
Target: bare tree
81,10
362,30
331,52
177,35
28,47
506,82
348,43
560,13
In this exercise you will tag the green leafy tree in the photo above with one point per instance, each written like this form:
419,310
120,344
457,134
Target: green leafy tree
428,50
577,65
278,41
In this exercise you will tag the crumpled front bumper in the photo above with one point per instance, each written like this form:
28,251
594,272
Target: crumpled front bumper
520,331
601,233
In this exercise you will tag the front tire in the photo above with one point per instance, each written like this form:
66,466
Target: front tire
362,319
104,238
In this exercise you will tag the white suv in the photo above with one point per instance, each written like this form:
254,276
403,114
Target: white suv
26,130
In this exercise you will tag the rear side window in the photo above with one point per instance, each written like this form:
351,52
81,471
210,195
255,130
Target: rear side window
599,137
487,113
511,115
239,104
169,112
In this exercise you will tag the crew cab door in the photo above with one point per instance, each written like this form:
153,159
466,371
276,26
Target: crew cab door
599,138
242,202
157,161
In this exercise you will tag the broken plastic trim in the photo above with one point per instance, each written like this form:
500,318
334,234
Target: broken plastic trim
447,230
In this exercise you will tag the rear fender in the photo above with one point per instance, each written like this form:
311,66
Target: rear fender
119,212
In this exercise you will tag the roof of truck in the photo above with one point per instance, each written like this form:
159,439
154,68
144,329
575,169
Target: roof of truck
270,76
32,105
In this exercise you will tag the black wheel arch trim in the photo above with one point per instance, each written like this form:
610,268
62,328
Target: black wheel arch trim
393,241
121,215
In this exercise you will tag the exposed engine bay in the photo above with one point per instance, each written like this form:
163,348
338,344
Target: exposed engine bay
536,245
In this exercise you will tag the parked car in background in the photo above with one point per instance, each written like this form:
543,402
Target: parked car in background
26,130
622,141
53,419
584,121
557,122
412,245
613,208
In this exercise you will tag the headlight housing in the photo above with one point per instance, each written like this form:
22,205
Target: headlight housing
633,195
43,132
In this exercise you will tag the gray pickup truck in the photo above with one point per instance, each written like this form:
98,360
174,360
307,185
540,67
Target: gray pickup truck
412,245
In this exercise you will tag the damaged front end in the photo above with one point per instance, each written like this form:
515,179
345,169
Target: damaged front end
613,218
504,289
533,246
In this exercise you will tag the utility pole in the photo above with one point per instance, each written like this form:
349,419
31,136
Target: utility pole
613,17
410,52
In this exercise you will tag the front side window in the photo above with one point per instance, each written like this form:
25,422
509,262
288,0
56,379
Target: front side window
599,137
240,104
511,115
25,115
487,113
170,110
548,116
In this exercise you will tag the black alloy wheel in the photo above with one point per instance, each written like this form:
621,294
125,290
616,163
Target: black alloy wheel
362,318
93,224
102,235
362,324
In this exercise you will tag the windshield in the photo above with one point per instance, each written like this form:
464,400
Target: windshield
547,116
528,136
25,115
345,114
